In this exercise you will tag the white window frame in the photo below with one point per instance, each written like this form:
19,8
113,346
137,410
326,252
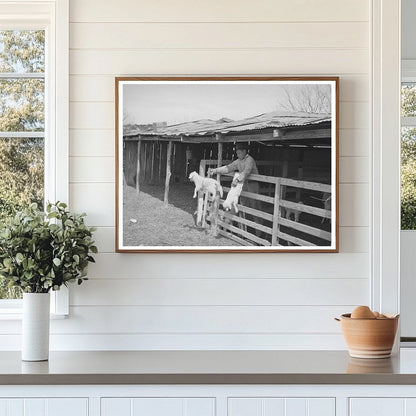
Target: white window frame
53,17
408,237
385,98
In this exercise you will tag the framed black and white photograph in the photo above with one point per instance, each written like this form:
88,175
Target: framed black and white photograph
226,164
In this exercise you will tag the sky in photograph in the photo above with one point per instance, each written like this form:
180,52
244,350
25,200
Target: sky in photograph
174,104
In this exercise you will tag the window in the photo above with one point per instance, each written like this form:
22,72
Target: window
408,154
33,111
22,124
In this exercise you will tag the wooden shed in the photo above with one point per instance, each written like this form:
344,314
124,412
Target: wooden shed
290,145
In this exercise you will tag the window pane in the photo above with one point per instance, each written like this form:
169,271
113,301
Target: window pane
22,51
22,104
408,104
21,109
21,182
21,173
7,292
408,178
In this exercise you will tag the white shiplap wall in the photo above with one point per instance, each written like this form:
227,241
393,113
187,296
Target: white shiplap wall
181,301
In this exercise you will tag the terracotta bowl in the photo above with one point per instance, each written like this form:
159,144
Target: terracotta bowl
369,338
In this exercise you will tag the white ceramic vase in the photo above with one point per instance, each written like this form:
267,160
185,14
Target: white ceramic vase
35,326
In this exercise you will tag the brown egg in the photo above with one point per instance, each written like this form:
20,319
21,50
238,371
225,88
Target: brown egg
376,314
362,312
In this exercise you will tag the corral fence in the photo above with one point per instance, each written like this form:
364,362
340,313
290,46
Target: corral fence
277,217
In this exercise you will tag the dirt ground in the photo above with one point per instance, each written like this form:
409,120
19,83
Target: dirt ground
146,222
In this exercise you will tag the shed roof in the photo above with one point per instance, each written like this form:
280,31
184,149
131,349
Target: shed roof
205,127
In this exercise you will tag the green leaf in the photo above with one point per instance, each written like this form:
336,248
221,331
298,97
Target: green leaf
69,223
36,255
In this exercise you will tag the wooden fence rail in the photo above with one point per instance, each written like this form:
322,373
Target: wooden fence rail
264,226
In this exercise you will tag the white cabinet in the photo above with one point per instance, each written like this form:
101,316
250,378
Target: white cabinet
44,407
208,400
146,406
281,406
382,406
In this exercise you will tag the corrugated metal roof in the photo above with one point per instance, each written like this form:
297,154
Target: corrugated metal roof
276,119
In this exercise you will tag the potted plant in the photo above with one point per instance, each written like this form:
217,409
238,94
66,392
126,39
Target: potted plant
40,252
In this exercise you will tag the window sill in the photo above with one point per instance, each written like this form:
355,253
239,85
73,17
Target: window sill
13,315
12,309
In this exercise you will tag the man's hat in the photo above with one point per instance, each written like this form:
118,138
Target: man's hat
241,146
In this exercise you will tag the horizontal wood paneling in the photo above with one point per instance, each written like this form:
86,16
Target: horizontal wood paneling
105,240
96,199
92,88
222,35
195,320
220,62
93,143
354,239
354,115
354,200
218,11
354,142
146,342
80,118
354,169
90,169
287,296
277,265
101,88
220,291
201,319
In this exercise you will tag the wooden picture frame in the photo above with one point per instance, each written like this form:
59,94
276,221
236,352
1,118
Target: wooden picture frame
283,183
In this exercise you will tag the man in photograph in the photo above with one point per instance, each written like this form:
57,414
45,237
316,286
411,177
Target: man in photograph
245,165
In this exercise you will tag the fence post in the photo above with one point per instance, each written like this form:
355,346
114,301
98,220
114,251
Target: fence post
139,145
204,213
214,214
153,164
276,209
144,161
219,159
168,173
200,197
160,162
216,201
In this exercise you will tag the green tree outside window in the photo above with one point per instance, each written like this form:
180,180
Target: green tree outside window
22,57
